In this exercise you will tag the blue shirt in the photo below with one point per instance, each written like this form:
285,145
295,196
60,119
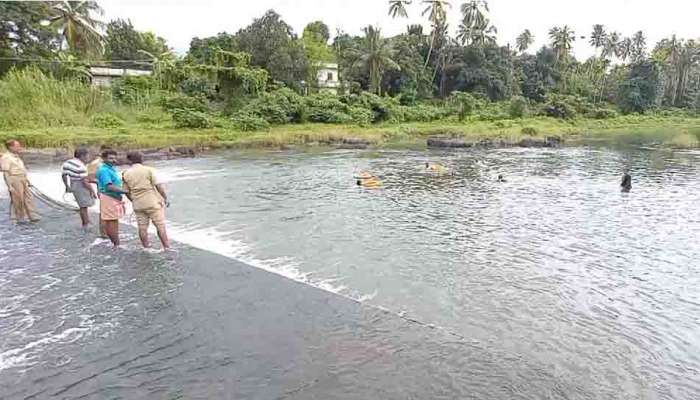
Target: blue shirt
108,175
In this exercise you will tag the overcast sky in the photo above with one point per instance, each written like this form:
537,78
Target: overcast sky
180,20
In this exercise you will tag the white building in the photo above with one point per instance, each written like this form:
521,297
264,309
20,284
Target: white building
328,78
103,76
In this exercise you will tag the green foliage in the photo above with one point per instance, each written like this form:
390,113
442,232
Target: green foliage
518,107
558,106
197,86
191,118
273,46
178,101
638,90
106,120
30,98
529,131
135,90
123,42
279,107
248,122
602,113
464,104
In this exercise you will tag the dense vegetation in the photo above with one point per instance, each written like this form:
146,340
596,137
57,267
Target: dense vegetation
264,75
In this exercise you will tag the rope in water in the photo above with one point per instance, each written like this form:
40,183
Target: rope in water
56,205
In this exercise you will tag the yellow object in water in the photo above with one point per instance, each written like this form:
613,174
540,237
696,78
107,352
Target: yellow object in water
371,182
440,169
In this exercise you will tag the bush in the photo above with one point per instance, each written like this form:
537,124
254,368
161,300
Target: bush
190,118
418,113
135,90
528,130
104,120
559,107
602,113
329,116
327,108
182,102
380,107
152,115
197,86
464,103
518,107
278,107
361,116
247,122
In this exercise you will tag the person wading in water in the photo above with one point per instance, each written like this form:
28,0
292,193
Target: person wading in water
626,183
111,193
149,198
15,174
74,174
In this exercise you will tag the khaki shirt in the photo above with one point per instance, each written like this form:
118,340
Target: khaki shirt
141,183
12,165
92,168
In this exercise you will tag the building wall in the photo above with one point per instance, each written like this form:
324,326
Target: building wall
328,78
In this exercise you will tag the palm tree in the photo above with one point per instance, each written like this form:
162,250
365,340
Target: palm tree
80,30
160,63
639,45
376,55
524,41
479,34
397,8
437,15
598,36
679,58
611,43
623,50
562,40
472,14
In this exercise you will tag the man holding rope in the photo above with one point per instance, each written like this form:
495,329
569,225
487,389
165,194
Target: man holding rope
15,174
75,177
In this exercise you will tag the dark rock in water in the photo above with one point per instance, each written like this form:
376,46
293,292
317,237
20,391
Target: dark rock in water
46,156
353,146
448,143
355,141
552,141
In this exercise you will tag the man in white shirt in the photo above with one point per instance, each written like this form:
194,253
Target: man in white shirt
75,177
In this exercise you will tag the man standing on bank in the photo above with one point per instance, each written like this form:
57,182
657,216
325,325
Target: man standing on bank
111,193
15,174
75,177
149,199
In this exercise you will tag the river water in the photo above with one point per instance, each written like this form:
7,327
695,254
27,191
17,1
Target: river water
551,285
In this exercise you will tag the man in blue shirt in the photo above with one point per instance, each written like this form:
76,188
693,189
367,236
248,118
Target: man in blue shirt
110,186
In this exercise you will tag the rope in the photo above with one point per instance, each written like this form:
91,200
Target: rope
51,203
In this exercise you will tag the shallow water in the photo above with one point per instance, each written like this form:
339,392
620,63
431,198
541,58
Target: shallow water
552,285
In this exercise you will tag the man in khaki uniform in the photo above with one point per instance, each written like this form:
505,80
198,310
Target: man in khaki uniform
148,197
15,174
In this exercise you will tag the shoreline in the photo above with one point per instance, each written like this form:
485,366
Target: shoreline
166,142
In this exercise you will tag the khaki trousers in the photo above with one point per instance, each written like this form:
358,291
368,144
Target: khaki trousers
21,199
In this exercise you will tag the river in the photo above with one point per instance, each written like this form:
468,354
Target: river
289,281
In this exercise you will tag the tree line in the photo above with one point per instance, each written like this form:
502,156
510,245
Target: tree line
418,66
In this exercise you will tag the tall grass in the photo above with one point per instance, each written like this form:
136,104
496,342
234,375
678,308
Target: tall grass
31,99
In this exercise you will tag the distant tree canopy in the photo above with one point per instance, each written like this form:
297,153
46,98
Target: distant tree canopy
123,42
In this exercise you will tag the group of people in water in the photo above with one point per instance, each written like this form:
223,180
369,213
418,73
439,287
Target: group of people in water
91,180
97,179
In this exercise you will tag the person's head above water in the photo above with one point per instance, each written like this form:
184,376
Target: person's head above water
427,165
135,157
109,156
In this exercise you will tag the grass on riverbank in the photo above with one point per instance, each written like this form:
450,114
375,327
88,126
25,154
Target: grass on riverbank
681,132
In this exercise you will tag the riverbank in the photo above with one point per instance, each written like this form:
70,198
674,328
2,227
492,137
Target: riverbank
675,132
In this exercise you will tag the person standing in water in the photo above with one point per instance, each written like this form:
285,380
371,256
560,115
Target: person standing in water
15,174
74,174
111,193
149,198
92,169
626,183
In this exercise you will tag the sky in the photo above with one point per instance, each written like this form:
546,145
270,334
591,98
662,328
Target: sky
179,21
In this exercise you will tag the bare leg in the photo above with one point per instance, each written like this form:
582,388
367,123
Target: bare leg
84,217
103,230
112,231
143,235
163,236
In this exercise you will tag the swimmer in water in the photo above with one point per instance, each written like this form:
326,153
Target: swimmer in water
440,169
626,183
501,179
366,179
